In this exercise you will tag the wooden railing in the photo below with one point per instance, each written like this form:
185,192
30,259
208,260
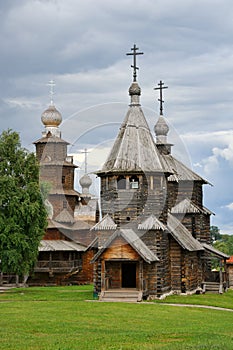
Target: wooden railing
57,265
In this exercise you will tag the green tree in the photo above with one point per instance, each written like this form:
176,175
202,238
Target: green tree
23,217
215,233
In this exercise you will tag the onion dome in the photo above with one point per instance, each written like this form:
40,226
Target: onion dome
51,117
85,183
135,92
161,128
134,89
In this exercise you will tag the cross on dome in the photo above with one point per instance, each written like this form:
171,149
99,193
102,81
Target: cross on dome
134,65
51,84
85,161
161,87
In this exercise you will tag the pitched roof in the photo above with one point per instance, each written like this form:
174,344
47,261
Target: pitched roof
134,148
152,223
106,223
180,233
77,225
51,139
133,240
215,251
187,206
65,216
179,171
60,245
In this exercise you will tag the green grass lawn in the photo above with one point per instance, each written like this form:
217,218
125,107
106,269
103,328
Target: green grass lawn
61,318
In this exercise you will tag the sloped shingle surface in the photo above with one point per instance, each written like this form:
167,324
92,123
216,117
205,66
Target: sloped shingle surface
136,243
182,235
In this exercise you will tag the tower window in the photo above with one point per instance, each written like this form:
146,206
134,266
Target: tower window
63,179
121,183
134,182
64,204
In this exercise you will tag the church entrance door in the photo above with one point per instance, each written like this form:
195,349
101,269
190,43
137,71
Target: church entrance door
128,275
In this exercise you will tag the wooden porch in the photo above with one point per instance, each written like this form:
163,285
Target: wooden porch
57,265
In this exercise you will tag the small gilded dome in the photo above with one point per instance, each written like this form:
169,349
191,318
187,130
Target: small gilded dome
51,117
161,128
135,89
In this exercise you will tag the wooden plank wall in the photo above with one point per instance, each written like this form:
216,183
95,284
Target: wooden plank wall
175,260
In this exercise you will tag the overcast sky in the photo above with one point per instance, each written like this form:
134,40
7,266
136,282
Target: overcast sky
82,45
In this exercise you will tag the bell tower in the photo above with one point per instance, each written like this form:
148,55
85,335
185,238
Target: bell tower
56,167
133,178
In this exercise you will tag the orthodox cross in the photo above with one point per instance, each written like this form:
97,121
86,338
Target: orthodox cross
161,87
51,83
85,161
134,66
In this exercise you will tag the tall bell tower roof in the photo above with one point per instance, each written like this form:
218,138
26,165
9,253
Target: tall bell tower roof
134,149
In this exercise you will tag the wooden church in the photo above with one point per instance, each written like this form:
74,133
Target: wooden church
153,235
63,258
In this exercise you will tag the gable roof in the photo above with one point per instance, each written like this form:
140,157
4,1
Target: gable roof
106,223
215,251
133,240
181,234
152,223
189,207
65,217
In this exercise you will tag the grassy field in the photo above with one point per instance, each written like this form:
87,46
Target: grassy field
61,318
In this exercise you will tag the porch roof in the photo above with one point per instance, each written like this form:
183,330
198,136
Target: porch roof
180,233
60,245
132,239
152,223
215,251
106,223
187,206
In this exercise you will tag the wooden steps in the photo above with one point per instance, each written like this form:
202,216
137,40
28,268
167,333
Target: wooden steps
212,287
121,295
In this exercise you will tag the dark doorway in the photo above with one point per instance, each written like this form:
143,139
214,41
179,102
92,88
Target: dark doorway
128,271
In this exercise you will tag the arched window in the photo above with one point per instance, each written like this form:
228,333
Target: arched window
134,181
121,183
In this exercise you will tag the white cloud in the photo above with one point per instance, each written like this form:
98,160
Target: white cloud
230,206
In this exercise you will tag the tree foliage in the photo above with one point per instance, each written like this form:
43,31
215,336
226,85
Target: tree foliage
23,217
215,233
222,242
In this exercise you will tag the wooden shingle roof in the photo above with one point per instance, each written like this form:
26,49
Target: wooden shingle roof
133,240
152,223
106,223
181,234
214,251
187,206
134,149
179,171
60,245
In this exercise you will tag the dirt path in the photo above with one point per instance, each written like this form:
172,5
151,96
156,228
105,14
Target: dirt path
198,306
